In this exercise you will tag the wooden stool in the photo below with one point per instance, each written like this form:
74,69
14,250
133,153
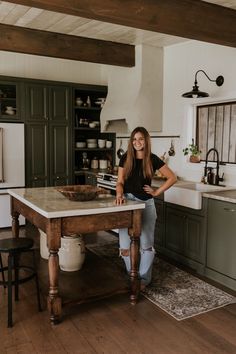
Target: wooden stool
14,247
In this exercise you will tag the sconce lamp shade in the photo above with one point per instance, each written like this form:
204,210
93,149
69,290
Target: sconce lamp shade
196,93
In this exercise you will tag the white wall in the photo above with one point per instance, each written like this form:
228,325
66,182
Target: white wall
181,62
44,68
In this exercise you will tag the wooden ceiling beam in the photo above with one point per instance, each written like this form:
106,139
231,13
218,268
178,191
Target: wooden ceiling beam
49,44
184,18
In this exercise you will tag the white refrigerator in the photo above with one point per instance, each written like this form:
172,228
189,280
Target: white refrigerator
12,167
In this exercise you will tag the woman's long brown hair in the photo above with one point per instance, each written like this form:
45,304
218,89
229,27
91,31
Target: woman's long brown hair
146,162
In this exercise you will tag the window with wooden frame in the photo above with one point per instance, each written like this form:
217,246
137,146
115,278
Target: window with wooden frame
216,128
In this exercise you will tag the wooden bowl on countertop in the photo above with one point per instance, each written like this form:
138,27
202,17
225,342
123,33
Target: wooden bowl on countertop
82,193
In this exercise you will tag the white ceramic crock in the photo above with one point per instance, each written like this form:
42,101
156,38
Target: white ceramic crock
103,164
72,253
44,253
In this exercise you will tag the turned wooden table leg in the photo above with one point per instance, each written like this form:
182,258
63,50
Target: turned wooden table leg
134,233
54,301
54,241
134,276
15,220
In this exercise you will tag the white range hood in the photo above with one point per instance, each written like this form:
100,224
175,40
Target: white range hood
135,94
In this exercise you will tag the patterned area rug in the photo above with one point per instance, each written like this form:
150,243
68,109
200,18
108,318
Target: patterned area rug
175,291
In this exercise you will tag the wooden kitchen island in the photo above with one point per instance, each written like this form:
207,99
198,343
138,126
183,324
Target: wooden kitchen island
48,210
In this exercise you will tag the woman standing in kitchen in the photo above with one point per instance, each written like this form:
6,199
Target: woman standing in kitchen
136,169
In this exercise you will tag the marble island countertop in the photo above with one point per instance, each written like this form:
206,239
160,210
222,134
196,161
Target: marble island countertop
50,203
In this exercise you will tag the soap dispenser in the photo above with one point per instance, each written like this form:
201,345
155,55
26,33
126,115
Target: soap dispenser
210,176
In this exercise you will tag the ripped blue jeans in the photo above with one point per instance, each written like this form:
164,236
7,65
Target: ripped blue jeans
147,252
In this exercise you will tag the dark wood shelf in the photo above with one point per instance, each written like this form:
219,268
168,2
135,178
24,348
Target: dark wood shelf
7,99
5,116
88,108
97,129
83,285
94,149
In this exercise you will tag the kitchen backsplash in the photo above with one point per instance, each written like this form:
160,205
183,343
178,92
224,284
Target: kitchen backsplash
160,146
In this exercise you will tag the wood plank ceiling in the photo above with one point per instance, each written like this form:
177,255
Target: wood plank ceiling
96,31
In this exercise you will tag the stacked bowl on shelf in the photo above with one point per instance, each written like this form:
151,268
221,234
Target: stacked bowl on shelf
94,143
80,144
91,143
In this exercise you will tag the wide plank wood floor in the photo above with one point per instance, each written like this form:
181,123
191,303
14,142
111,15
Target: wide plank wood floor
113,326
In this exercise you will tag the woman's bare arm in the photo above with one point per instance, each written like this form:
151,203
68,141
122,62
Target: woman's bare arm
120,186
170,180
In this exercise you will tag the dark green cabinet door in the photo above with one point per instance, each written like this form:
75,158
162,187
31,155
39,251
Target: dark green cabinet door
160,223
48,113
36,155
186,233
90,178
221,241
36,102
175,230
60,104
59,155
194,239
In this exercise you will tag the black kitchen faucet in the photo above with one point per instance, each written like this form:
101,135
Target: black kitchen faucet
208,171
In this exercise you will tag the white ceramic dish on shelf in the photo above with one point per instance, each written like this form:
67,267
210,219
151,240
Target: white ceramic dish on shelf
80,144
101,143
91,141
92,145
108,144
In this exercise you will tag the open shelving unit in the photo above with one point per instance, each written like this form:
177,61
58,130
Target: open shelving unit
87,109
9,103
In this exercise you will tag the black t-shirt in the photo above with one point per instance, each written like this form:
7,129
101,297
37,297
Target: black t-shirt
135,182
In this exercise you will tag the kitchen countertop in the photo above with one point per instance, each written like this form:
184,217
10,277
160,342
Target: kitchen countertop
50,203
227,195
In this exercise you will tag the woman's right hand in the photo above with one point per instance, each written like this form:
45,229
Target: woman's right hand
120,199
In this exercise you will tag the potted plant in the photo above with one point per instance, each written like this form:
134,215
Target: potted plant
193,152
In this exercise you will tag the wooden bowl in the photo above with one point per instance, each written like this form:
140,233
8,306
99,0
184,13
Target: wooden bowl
81,193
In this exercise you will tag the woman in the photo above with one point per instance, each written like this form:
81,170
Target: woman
136,169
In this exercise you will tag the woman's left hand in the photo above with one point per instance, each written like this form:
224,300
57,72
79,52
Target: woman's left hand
149,189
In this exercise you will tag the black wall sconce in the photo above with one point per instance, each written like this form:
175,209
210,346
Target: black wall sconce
195,93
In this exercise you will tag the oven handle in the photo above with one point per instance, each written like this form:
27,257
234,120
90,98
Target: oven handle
105,186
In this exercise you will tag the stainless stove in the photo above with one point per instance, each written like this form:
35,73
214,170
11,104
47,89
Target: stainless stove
107,181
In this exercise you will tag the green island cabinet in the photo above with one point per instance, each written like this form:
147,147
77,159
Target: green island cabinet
181,234
221,242
48,134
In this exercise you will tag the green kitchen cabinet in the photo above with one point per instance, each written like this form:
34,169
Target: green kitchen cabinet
37,162
45,102
59,154
90,178
10,100
185,235
36,102
221,242
160,223
48,134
